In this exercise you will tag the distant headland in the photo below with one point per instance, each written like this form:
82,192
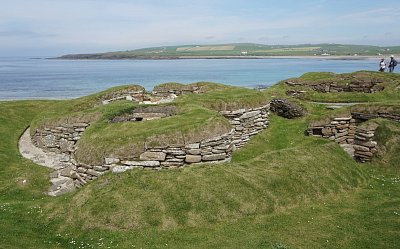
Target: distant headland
242,51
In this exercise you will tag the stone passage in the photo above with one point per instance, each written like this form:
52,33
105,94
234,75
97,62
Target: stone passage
59,144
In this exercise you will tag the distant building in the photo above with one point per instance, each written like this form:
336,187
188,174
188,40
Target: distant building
243,52
325,54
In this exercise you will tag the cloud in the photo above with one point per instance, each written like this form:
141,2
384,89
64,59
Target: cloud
373,15
123,24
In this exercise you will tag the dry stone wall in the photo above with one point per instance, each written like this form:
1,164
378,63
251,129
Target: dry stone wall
62,140
163,92
215,150
349,131
364,144
247,123
124,94
339,129
352,84
385,115
286,109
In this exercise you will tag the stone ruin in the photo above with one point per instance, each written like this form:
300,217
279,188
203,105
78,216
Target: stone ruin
60,141
145,114
339,83
352,133
159,95
286,109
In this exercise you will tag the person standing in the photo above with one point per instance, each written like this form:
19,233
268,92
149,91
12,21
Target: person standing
392,63
382,65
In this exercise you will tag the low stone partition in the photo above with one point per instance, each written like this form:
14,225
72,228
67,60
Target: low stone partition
369,86
339,129
385,115
247,123
364,144
137,94
180,90
342,84
215,150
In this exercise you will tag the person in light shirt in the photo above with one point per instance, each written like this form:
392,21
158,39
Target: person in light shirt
382,65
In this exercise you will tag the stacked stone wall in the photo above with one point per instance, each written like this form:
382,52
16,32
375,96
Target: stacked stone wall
62,140
364,144
286,109
339,129
247,123
350,131
367,85
126,94
385,115
215,150
163,92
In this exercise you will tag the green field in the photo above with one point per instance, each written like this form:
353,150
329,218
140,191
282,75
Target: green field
282,190
241,49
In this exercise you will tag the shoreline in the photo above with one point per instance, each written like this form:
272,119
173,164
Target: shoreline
235,57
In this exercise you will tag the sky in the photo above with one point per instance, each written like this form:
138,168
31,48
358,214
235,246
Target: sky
57,27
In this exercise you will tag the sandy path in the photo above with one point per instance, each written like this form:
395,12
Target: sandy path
37,155
60,184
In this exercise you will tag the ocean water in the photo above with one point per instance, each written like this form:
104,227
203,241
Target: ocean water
27,78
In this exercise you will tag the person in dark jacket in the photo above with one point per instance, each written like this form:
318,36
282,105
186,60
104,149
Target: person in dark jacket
392,64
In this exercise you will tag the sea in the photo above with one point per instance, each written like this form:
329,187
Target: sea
41,78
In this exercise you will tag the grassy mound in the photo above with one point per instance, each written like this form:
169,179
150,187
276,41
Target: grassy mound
195,118
389,82
282,190
200,87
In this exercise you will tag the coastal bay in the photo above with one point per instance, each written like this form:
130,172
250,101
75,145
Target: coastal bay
27,78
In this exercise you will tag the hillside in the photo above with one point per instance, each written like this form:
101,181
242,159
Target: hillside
240,50
282,189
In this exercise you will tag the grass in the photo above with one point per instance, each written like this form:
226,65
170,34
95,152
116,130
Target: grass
390,82
282,190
